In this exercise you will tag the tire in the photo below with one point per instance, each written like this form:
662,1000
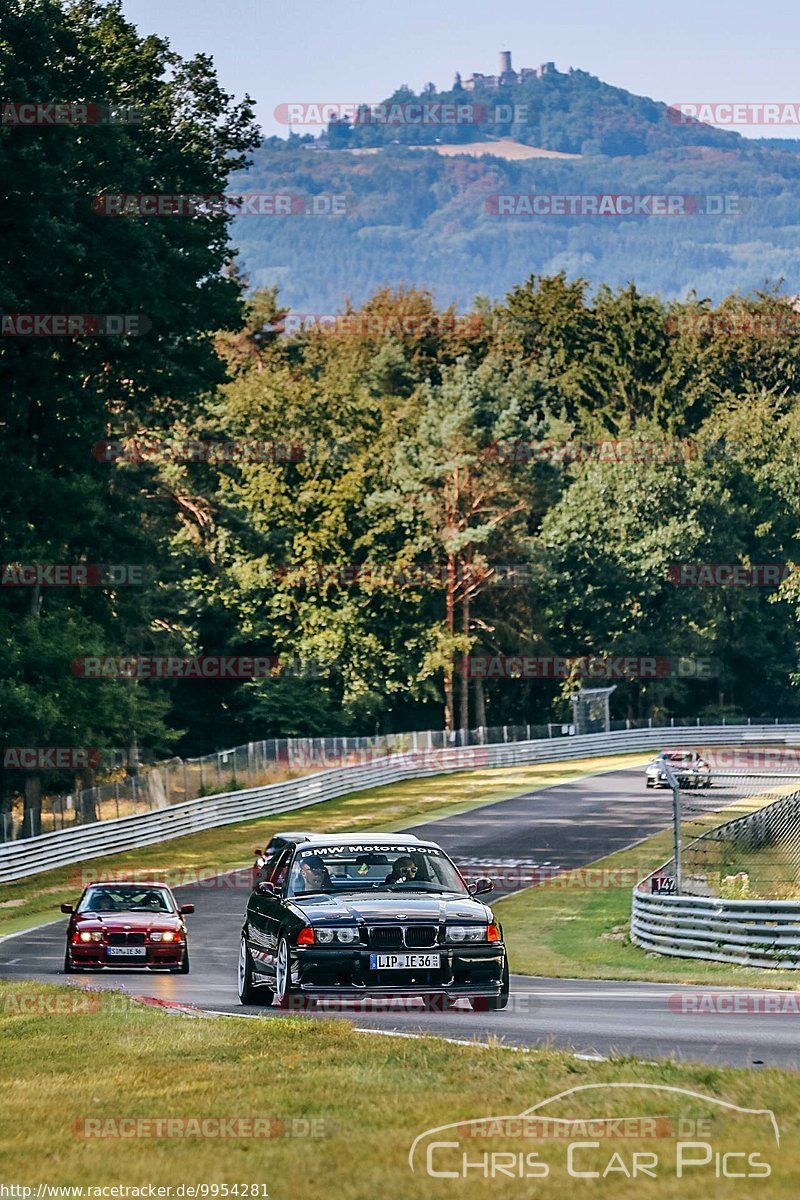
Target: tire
285,995
248,992
183,968
649,783
68,967
493,1003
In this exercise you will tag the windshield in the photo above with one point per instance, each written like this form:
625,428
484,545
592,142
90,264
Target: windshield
126,899
388,869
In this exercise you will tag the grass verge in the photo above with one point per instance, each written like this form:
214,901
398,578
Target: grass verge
30,901
366,1098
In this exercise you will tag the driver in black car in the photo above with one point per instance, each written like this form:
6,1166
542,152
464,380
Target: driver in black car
314,875
404,870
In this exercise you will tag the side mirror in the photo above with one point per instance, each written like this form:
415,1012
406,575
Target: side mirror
266,889
480,887
185,909
67,908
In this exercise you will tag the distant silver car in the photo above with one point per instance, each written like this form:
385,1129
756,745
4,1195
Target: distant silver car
689,767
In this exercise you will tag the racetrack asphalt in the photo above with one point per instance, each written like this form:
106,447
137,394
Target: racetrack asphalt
564,826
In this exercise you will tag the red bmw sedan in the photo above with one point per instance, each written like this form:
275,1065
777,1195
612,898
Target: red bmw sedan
127,925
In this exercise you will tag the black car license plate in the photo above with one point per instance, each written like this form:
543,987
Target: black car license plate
405,962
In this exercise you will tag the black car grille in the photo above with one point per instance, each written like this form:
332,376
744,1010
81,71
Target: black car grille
393,937
126,939
421,935
386,939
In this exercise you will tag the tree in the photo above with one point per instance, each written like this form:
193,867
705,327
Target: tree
61,396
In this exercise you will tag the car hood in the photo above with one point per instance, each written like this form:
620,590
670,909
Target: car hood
361,908
137,921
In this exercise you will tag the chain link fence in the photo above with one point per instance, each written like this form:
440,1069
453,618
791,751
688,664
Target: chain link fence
254,764
737,825
120,792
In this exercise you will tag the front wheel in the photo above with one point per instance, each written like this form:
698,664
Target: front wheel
493,1003
68,967
248,992
283,975
183,966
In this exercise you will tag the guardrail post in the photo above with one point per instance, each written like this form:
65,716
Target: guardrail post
676,823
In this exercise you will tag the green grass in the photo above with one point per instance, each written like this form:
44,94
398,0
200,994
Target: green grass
34,900
577,926
368,1096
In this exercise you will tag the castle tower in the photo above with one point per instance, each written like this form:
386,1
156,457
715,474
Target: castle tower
507,73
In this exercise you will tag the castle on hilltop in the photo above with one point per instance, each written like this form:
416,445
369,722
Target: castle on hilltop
507,76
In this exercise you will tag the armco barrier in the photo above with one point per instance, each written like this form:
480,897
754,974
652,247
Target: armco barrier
752,933
32,855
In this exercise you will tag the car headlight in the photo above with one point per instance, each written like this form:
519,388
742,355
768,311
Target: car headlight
94,936
163,935
467,933
345,935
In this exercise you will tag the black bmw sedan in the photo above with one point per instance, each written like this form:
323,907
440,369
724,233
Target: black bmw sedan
376,915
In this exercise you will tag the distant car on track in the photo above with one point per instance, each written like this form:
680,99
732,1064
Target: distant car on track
376,915
689,767
127,925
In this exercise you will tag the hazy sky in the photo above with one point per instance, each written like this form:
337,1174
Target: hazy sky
316,50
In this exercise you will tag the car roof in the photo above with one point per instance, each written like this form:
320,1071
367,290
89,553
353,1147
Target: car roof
137,883
366,839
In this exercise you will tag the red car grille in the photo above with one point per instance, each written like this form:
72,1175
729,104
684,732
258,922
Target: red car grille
126,939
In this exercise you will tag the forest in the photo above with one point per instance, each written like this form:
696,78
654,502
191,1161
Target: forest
410,515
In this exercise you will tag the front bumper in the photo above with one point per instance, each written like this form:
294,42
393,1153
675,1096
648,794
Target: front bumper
93,954
475,970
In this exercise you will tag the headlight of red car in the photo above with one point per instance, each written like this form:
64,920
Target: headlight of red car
164,935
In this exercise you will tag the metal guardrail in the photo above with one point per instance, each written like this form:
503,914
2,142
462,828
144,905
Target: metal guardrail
30,856
750,933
